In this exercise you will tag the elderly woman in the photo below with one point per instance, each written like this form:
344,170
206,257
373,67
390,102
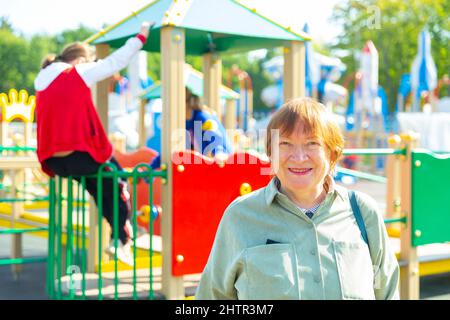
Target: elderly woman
300,236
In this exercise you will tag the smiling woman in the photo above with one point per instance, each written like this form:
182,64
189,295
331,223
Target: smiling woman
310,143
301,236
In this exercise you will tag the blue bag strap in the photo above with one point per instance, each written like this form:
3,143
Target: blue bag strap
358,216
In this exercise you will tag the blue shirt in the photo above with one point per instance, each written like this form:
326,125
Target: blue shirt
207,135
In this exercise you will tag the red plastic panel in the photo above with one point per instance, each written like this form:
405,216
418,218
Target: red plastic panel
201,193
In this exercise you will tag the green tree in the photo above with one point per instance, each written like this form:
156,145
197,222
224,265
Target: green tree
13,61
393,26
21,57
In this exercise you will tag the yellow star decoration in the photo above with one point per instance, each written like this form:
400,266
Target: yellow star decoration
210,125
18,106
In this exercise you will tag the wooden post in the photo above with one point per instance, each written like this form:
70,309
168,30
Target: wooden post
93,252
142,131
16,209
409,275
230,114
101,89
173,139
212,79
249,107
242,102
393,184
230,118
294,70
3,140
4,135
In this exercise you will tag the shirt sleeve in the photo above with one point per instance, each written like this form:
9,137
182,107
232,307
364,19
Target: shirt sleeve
156,162
385,264
224,265
102,69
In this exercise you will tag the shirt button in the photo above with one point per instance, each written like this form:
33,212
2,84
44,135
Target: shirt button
316,279
313,252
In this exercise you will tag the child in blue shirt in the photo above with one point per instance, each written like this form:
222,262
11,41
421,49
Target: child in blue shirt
207,135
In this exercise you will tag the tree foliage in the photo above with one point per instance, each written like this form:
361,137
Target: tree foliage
393,26
21,57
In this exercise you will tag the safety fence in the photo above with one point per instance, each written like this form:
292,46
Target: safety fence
15,195
71,238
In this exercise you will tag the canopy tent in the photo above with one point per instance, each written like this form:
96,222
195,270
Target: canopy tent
210,26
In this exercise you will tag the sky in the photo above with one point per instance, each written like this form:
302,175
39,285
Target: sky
53,16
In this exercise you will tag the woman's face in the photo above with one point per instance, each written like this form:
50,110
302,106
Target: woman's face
304,162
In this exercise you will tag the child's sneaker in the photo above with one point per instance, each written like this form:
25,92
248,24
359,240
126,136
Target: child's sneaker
124,253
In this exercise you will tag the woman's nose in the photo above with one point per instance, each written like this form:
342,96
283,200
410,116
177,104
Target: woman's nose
299,153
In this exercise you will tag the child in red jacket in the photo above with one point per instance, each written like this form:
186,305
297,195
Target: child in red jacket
71,140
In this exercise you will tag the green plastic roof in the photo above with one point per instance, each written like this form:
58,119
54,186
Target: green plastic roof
194,82
219,25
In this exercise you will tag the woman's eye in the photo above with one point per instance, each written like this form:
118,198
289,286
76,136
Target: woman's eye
284,143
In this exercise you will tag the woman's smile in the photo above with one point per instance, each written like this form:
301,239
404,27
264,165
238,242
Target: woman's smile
300,171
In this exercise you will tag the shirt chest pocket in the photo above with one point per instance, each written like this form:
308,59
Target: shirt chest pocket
271,272
355,270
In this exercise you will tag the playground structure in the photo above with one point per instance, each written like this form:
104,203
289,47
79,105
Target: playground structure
418,231
189,220
194,82
18,167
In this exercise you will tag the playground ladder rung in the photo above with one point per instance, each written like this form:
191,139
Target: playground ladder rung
17,231
4,262
24,200
395,220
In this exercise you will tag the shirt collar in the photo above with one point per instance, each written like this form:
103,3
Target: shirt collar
273,189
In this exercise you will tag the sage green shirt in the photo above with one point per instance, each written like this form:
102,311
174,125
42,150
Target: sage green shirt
267,248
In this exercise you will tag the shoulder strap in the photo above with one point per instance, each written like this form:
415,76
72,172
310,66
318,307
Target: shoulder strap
358,216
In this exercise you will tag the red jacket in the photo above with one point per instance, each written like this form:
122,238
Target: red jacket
65,114
67,120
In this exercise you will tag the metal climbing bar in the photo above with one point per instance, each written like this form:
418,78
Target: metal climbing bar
375,151
23,200
18,231
17,149
395,220
12,261
362,175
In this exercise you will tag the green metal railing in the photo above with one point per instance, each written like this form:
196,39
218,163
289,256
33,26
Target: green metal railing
23,260
16,231
17,148
395,220
362,175
67,251
375,152
369,152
